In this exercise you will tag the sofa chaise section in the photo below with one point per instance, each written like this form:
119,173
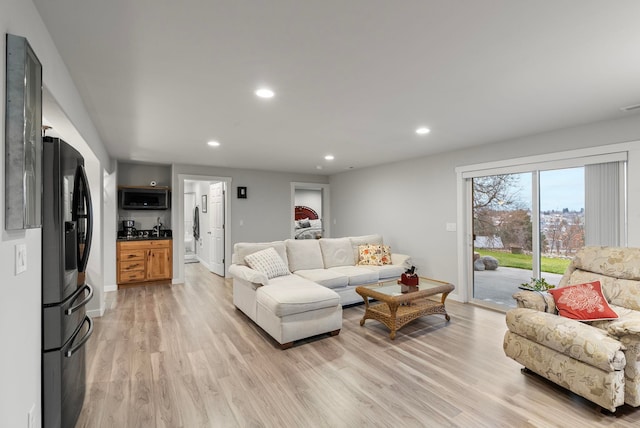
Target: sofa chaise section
287,307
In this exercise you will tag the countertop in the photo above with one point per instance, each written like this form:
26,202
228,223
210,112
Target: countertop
146,235
145,238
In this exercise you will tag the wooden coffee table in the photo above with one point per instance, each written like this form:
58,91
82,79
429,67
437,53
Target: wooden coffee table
396,309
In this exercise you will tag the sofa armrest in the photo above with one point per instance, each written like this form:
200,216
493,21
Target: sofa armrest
568,337
401,260
248,274
542,302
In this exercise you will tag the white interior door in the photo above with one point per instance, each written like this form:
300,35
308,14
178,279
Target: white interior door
216,228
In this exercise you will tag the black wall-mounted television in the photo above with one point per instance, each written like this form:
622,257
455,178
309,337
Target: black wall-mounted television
144,198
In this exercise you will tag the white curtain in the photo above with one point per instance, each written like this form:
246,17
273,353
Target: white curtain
602,216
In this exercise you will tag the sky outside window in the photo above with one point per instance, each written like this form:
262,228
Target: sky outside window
559,189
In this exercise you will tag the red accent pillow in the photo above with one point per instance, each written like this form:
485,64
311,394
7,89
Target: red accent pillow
583,302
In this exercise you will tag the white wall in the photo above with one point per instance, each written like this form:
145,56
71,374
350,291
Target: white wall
110,196
20,306
410,202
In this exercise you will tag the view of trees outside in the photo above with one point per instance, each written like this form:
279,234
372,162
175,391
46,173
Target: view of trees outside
502,212
500,215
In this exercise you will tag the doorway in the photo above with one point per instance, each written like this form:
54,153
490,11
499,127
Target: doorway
310,211
197,208
190,246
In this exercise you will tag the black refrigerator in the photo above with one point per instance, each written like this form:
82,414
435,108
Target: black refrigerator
66,243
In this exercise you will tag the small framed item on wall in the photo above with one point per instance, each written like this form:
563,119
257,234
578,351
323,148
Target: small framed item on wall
204,203
242,193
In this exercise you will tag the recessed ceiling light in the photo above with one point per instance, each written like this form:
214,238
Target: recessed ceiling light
213,143
422,130
265,93
329,157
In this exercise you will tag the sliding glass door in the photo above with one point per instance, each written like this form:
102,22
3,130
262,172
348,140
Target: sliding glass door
530,224
502,235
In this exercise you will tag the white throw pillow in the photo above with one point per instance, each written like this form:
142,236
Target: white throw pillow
268,262
336,252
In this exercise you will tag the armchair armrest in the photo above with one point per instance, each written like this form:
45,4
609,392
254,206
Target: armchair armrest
569,337
401,259
248,274
542,302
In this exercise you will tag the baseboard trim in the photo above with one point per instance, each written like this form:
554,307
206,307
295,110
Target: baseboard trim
110,288
96,313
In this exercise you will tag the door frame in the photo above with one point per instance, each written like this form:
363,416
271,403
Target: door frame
178,212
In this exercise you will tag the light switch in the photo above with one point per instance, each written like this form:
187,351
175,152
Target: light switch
451,227
21,258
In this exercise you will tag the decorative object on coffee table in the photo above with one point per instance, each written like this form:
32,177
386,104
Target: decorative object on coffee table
396,309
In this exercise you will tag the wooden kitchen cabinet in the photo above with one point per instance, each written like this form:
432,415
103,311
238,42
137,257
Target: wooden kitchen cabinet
143,261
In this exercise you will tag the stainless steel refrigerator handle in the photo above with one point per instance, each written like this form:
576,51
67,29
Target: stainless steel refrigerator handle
81,176
84,302
86,337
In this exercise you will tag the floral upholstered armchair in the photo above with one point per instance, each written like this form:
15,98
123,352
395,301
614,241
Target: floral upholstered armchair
584,335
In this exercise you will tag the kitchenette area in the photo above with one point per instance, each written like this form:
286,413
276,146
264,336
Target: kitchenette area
144,246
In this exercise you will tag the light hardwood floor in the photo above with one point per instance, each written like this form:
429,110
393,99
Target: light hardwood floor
183,356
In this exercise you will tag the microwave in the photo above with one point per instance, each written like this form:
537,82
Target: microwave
144,198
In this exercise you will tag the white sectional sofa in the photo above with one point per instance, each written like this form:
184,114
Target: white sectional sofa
321,278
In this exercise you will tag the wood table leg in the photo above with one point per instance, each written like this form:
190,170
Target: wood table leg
366,310
393,311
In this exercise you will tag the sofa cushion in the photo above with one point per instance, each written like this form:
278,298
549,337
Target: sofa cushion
628,322
268,262
620,292
617,269
337,252
374,255
304,254
357,275
243,249
325,277
288,295
584,302
356,241
386,271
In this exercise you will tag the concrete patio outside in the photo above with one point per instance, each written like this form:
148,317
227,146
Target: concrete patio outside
497,286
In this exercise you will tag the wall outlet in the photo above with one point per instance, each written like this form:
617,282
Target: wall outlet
21,258
450,227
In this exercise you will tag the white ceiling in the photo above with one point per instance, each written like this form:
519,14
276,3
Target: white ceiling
353,78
